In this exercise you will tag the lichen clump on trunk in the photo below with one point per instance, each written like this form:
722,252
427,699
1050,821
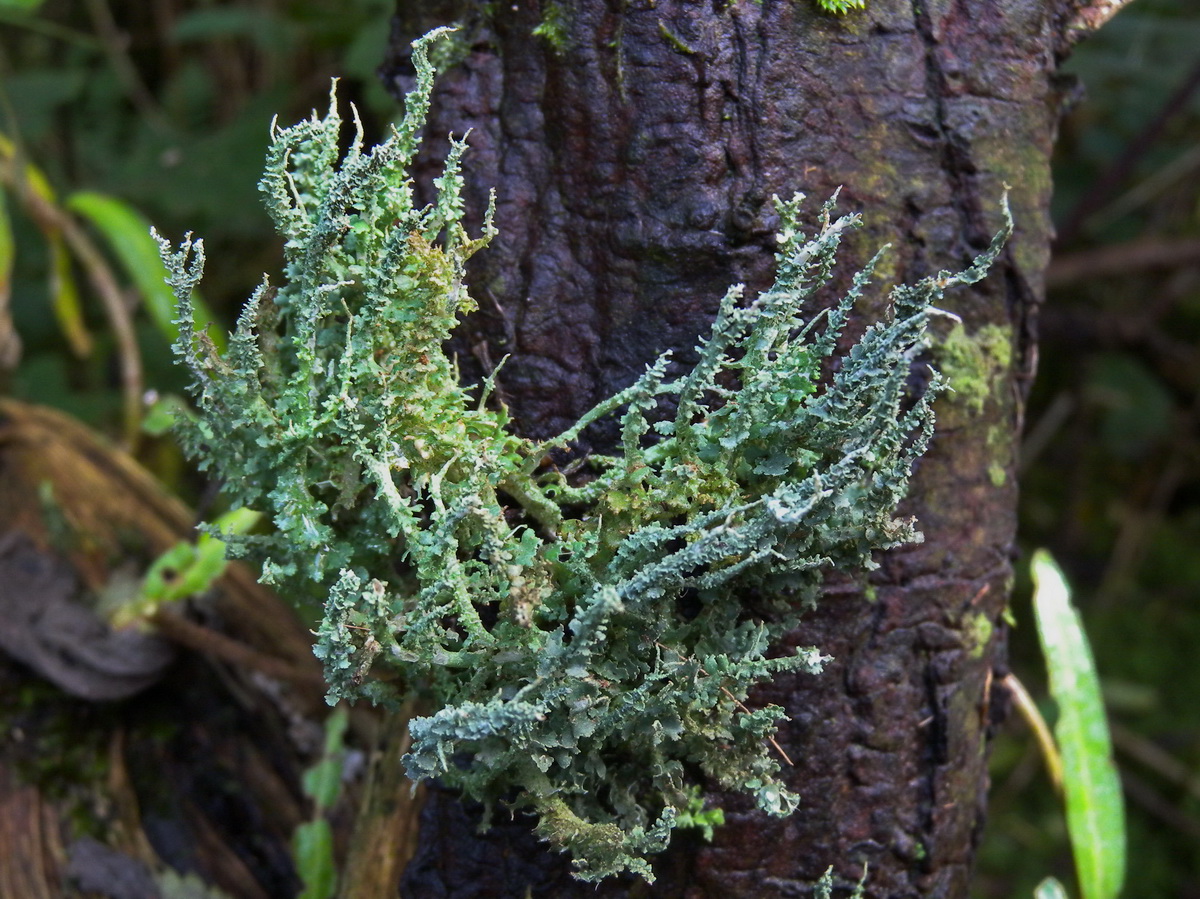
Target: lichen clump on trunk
583,632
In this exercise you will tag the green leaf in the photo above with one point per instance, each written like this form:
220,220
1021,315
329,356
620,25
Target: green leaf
335,730
35,178
323,782
10,342
237,521
128,234
25,5
162,414
64,294
6,251
64,297
696,815
312,847
186,569
1091,787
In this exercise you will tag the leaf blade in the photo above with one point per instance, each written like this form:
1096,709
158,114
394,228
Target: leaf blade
1091,786
64,297
312,848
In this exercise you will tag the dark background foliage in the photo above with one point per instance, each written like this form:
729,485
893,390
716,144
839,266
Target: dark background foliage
165,104
1111,457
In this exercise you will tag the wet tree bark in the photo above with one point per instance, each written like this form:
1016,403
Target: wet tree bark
634,148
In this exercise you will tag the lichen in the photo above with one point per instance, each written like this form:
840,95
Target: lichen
577,623
1000,450
977,631
974,363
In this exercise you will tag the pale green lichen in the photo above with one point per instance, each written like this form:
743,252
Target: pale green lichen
977,632
973,364
997,474
824,887
1000,448
584,640
453,48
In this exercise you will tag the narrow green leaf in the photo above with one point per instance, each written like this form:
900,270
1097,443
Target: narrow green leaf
35,178
312,846
10,342
128,234
323,781
1091,787
64,297
6,251
1049,888
238,521
186,569
335,730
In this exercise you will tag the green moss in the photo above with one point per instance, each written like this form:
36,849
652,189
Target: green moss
999,448
977,631
976,366
974,363
59,745
841,7
553,27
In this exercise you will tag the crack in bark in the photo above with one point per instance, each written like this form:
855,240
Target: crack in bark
956,161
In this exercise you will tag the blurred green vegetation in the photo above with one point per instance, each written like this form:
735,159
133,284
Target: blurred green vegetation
1111,463
165,105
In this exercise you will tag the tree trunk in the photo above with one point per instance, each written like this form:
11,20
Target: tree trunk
634,148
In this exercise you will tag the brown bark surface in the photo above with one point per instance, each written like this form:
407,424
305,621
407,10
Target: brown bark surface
634,166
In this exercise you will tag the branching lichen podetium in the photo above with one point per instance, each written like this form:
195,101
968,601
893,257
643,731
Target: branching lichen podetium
584,640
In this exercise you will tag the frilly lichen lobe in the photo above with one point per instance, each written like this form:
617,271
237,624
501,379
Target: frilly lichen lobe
583,638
